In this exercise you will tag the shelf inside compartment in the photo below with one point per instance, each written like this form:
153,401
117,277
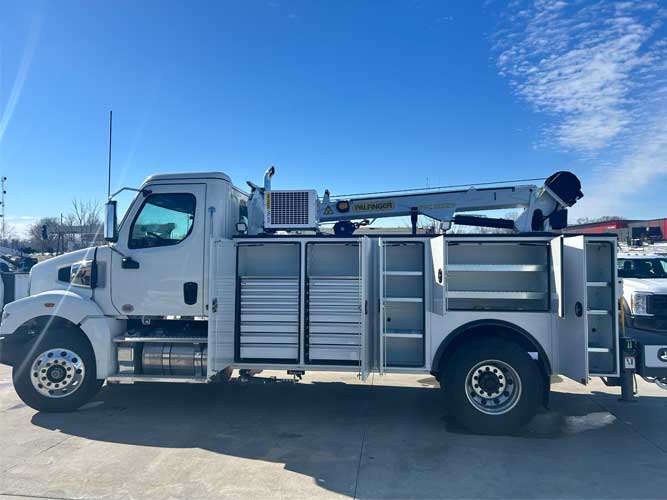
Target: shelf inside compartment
599,298
269,260
404,351
403,285
498,276
498,268
599,261
332,260
601,344
509,294
403,299
601,361
404,333
599,349
403,257
403,316
528,256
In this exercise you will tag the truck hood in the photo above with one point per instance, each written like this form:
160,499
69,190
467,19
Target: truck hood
645,285
44,276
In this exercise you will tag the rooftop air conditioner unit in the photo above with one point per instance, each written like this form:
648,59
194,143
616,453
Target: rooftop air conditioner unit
290,209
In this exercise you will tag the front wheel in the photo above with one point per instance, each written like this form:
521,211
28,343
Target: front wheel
493,386
57,373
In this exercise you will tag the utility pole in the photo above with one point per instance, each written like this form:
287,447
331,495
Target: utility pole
2,183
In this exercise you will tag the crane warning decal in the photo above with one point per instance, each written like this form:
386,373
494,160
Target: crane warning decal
373,206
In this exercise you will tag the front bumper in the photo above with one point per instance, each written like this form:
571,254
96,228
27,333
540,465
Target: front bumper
652,346
657,324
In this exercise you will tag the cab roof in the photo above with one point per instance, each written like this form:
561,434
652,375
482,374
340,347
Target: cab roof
188,176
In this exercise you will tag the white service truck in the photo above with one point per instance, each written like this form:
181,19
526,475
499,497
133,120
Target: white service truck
644,277
200,278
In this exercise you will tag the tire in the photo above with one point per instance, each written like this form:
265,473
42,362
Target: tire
57,372
509,391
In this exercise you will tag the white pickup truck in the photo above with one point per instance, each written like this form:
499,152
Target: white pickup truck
645,305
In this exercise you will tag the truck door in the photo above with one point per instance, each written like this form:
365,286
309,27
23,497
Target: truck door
571,331
161,269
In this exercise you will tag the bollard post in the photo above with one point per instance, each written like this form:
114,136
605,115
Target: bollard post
628,368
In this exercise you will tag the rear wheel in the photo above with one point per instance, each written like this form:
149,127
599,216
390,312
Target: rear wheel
57,373
493,386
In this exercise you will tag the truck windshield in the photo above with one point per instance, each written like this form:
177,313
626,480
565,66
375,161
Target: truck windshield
642,268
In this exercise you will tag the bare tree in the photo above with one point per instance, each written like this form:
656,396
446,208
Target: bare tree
84,221
592,220
10,235
36,233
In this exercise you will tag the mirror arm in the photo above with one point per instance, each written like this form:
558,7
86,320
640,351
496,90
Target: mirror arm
114,249
145,192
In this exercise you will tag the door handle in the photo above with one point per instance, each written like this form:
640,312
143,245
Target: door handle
190,292
129,263
578,309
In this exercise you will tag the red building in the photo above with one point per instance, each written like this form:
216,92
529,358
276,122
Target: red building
628,231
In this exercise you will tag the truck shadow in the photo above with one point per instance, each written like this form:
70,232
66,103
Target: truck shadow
323,430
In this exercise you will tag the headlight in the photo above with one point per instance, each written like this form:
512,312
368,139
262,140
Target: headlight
639,304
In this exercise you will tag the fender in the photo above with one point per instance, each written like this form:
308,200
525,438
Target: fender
74,308
473,325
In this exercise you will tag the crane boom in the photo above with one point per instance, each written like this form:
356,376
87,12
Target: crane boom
542,208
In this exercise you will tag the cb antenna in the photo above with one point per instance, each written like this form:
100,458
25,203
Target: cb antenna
109,173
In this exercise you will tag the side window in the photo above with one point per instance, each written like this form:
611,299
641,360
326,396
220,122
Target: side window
164,219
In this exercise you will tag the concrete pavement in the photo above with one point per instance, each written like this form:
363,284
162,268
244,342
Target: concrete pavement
322,438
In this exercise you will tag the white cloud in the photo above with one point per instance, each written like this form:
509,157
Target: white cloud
598,70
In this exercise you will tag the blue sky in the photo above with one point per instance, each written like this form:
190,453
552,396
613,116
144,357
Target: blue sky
346,95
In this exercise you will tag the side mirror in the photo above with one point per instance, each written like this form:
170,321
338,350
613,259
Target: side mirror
110,222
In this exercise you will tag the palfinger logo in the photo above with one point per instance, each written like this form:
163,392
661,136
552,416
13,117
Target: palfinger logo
373,206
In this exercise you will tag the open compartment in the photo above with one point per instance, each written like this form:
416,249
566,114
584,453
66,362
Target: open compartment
268,321
334,299
601,307
498,276
402,285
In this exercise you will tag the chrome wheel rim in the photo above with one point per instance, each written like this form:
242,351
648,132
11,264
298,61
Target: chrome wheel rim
57,373
493,387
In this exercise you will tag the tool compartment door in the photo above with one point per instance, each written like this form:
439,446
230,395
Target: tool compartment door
366,341
222,306
571,324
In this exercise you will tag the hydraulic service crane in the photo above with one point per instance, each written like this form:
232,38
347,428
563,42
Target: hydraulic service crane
542,208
